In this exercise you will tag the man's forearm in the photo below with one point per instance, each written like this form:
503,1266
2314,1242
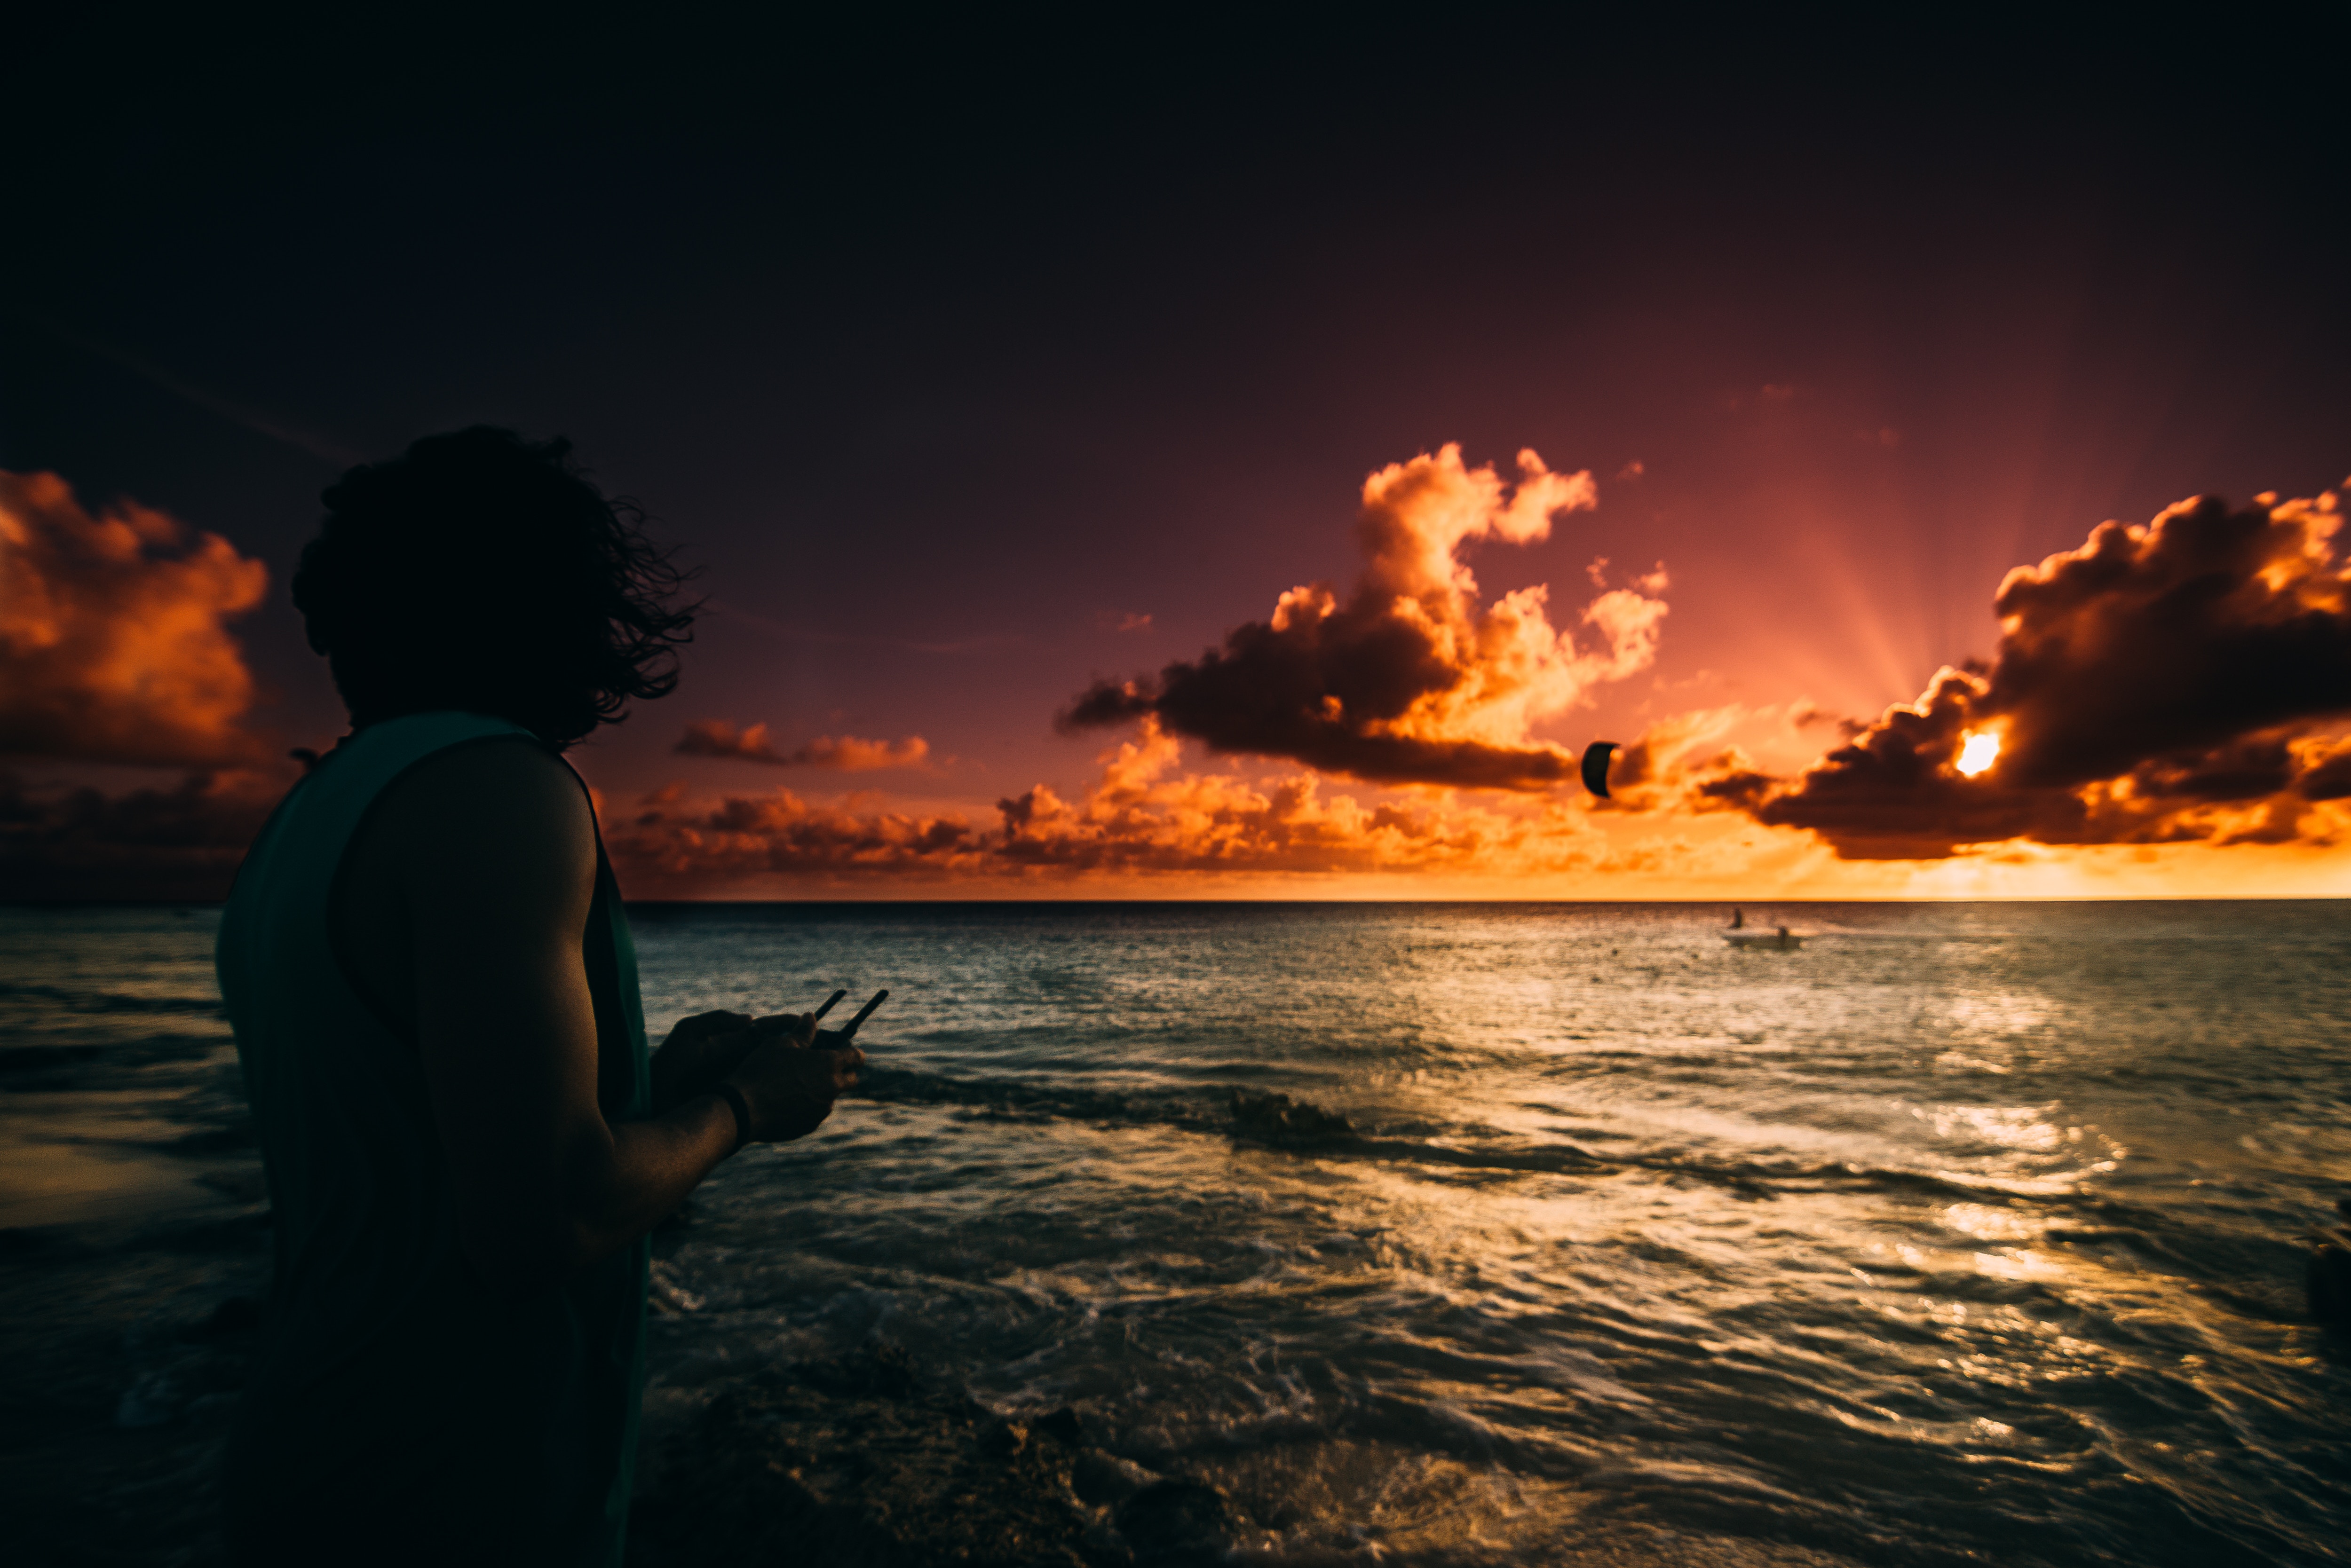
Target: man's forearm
618,1182
652,1166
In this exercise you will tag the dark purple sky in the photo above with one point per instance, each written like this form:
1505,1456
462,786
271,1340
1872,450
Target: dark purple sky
946,351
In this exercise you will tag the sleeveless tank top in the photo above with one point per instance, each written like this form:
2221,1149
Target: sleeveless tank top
401,1412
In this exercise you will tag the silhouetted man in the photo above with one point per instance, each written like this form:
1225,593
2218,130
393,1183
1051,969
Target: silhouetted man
434,996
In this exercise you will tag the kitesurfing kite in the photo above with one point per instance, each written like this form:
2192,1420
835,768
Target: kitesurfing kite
1595,766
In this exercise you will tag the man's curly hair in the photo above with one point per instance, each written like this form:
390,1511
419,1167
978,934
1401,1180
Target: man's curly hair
484,572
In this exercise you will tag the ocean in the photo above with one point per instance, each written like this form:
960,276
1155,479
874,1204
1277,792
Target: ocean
1968,1233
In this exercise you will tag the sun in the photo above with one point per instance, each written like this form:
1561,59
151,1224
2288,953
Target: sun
1978,753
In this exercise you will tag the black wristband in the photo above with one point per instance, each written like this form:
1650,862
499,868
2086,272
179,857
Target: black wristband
742,1109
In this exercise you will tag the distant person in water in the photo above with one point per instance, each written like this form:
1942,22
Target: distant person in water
435,997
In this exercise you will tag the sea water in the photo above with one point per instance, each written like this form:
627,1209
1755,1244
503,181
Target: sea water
1965,1233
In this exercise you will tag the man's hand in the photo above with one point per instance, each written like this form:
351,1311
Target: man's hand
791,1086
707,1046
699,1052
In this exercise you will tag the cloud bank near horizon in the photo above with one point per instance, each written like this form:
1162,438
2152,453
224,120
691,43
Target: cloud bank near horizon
175,842
1408,680
1142,816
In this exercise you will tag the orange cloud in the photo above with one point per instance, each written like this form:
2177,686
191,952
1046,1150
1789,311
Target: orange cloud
718,738
2189,681
1409,680
113,642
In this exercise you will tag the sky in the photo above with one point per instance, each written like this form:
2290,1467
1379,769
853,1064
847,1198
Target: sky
1206,460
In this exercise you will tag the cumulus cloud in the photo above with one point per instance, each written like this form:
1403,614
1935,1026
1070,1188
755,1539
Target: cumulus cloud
1408,680
1142,817
2185,680
113,638
718,738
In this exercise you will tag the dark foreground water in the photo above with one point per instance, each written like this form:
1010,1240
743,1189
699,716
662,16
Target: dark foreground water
1969,1234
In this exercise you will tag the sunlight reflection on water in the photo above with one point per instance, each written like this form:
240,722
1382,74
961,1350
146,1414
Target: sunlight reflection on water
1965,1233
1816,1294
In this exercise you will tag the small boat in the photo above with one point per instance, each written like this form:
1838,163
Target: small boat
1779,938
2330,1269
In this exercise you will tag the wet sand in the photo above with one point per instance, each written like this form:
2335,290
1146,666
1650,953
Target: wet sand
125,1349
127,1344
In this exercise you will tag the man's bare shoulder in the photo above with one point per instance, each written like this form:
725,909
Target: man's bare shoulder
494,807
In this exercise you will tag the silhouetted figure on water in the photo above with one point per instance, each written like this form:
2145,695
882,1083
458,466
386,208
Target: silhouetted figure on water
435,997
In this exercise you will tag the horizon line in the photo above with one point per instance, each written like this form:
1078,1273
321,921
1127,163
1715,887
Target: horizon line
124,903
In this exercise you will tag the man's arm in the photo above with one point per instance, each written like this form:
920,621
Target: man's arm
495,851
